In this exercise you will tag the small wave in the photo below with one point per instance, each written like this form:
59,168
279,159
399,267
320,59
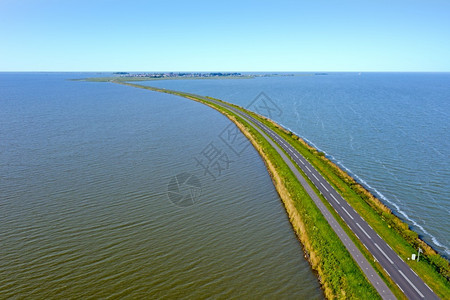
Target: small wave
380,195
377,193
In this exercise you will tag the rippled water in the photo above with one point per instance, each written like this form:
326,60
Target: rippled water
84,209
389,130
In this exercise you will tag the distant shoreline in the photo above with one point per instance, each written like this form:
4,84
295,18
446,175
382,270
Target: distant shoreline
401,238
130,77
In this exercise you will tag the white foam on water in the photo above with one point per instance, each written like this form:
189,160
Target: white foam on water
378,194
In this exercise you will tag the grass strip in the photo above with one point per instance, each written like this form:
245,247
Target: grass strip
339,275
432,268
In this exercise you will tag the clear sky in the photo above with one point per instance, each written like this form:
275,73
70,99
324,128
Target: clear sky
277,35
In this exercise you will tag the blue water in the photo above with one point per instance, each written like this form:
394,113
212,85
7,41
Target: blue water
388,130
85,171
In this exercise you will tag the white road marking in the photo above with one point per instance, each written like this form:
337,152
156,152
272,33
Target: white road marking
347,213
428,287
357,224
385,255
409,281
399,287
406,278
324,187
335,199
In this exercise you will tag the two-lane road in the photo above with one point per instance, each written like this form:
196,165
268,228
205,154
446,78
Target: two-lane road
405,278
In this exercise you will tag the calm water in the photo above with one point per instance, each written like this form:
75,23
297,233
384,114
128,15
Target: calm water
390,131
84,209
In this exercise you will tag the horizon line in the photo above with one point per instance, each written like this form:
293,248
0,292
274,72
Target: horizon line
167,71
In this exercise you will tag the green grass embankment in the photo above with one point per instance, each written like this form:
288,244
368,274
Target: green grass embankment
432,267
327,257
338,273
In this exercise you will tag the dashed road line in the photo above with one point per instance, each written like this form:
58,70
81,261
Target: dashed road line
335,199
385,255
347,213
290,149
324,187
409,281
357,224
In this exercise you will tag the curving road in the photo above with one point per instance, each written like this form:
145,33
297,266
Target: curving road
405,278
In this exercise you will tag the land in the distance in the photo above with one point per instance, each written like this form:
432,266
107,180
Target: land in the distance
179,74
146,76
327,256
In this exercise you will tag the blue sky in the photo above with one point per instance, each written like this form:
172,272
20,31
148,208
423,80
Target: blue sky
109,35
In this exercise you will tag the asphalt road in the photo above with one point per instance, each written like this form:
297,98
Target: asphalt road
405,278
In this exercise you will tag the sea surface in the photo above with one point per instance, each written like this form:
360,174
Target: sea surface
390,131
108,191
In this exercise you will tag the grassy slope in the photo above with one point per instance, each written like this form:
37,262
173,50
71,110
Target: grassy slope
338,273
433,268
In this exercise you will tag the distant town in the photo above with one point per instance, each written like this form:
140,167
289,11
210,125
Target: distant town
183,74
